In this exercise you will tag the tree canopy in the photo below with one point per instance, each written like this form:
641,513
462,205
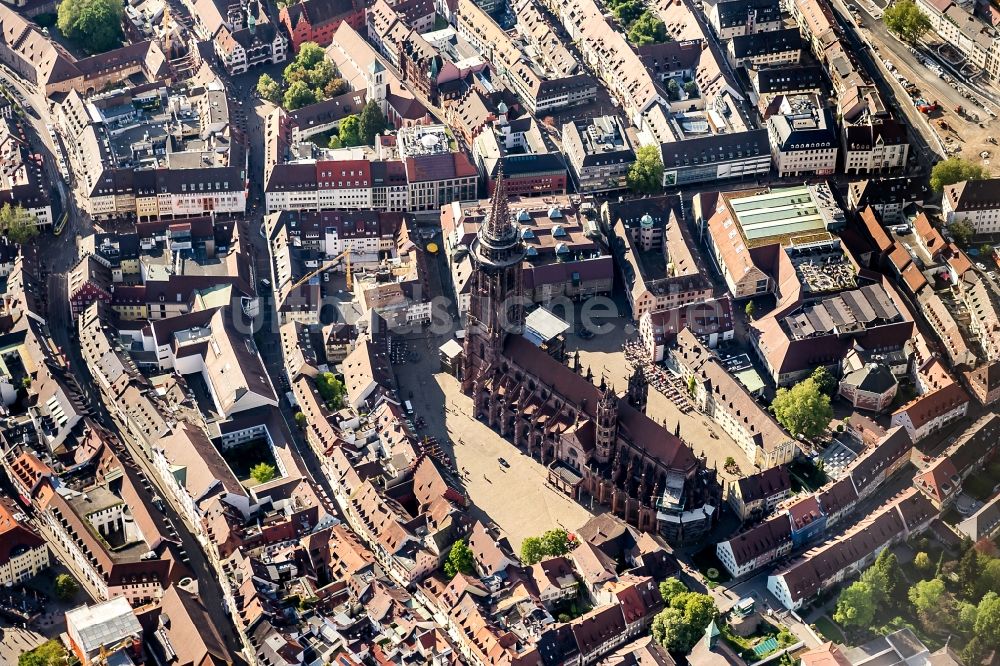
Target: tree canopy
309,78
648,29
922,563
640,25
826,382
670,588
66,587
49,653
331,389
803,409
955,170
350,131
263,472
970,572
371,123
646,174
962,232
679,626
96,25
460,560
551,544
926,595
987,627
904,18
856,606
17,224
269,89
299,94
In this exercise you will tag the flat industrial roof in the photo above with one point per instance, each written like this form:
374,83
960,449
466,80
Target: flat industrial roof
781,212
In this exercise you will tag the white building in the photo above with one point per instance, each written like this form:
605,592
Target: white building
803,137
23,554
932,411
976,202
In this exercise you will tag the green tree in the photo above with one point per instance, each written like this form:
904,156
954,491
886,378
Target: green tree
350,131
826,382
531,550
876,580
987,627
966,615
962,232
310,54
670,630
692,385
301,420
269,89
970,571
927,595
679,626
803,409
887,566
331,389
691,88
990,579
986,250
647,29
556,542
750,310
729,462
460,560
66,587
974,651
673,90
955,170
904,18
334,142
628,11
295,73
17,224
96,25
299,94
670,588
922,563
699,610
646,174
263,472
551,544
856,606
371,123
320,74
49,653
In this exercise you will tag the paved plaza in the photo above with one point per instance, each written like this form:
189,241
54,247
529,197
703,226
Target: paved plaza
516,499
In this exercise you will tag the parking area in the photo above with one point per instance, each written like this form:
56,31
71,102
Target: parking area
957,105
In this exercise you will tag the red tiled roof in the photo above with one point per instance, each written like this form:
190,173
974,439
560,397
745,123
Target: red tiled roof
939,481
934,404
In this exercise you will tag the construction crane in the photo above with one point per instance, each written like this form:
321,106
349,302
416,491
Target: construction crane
102,658
346,254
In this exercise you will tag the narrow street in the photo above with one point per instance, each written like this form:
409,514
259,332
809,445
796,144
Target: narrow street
923,141
169,521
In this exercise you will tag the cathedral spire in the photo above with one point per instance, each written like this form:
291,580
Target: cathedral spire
498,225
